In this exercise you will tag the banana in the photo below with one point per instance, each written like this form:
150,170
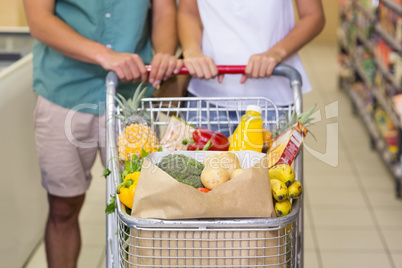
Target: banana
283,208
279,190
295,190
283,173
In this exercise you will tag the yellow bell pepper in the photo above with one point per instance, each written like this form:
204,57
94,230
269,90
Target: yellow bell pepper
132,176
126,189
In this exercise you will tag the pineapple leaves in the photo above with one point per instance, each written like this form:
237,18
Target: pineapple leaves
130,108
144,153
119,100
304,118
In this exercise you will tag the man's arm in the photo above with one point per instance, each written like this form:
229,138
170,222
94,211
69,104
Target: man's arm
190,34
52,31
164,41
311,22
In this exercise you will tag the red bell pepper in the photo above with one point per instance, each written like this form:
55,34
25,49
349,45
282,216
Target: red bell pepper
202,136
202,189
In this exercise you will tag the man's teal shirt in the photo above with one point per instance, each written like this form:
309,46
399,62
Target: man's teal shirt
122,25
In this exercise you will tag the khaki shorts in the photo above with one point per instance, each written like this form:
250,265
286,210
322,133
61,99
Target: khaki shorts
67,143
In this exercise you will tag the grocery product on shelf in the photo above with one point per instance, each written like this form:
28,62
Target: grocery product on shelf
387,129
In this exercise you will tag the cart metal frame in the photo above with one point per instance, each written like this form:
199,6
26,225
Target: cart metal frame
117,224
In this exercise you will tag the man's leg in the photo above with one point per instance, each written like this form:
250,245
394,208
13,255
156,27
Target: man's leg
62,235
66,175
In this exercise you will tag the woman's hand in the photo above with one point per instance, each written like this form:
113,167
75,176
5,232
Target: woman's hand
163,65
201,66
261,65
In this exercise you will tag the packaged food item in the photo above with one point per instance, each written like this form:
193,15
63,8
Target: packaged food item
249,133
176,131
286,146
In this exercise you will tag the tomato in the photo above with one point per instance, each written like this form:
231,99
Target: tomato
204,190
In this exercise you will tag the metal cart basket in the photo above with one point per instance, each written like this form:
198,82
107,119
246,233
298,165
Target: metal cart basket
262,242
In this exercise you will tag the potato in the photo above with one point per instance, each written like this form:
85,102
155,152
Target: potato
229,161
236,172
213,177
212,160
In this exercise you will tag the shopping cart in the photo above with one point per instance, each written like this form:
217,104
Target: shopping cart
262,242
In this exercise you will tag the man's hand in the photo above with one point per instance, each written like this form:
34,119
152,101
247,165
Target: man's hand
261,65
128,67
163,65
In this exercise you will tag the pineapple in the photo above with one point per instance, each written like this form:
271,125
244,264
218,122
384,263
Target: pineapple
137,135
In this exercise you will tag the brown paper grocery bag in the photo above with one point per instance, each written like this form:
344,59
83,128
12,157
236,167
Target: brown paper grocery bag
159,196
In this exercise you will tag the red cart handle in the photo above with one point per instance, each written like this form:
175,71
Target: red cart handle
222,69
280,70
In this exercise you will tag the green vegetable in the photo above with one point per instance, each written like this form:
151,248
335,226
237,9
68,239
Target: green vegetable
131,166
112,205
184,169
106,173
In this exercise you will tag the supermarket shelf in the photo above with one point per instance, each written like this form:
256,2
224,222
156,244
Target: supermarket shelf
368,13
384,101
342,40
366,43
384,70
391,40
359,68
394,6
387,107
379,97
379,142
381,66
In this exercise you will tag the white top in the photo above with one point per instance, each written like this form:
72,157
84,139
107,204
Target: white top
236,29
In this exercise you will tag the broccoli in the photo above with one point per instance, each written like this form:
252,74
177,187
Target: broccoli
184,169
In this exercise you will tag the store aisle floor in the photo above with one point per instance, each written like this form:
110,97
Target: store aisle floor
352,218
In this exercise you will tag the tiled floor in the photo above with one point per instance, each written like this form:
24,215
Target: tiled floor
352,218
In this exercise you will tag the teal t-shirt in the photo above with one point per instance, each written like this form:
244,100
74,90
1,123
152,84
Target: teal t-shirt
121,25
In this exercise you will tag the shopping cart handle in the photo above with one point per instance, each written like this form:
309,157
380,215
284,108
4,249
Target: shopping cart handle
289,72
281,70
222,69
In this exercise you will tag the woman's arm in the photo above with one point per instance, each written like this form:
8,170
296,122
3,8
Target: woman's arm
164,41
190,35
311,22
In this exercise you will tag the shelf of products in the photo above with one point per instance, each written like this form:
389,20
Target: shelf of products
370,58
